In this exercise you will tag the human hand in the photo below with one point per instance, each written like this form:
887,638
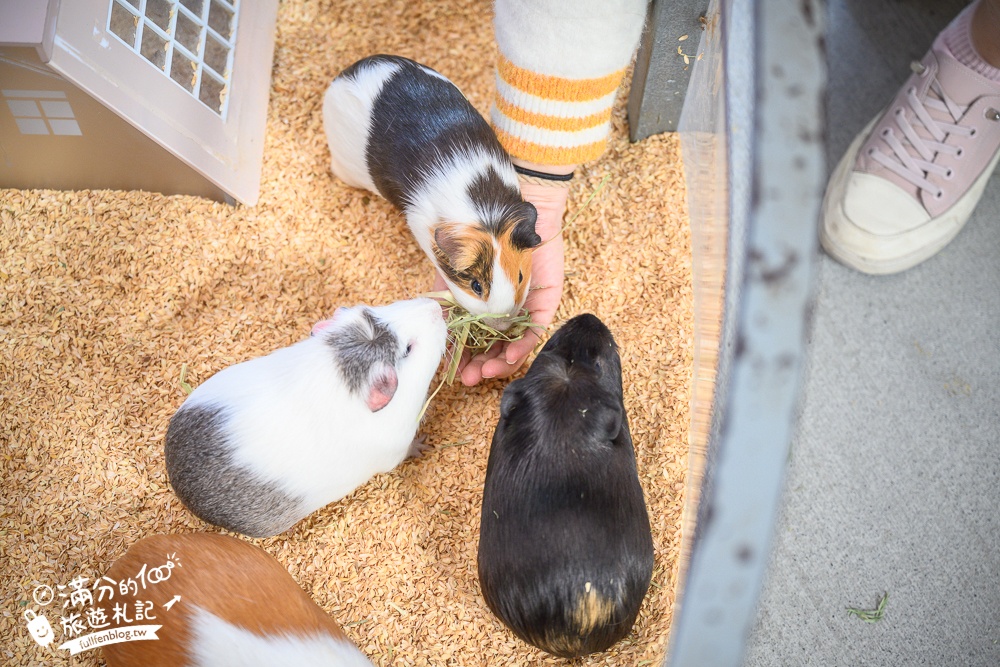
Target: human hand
546,288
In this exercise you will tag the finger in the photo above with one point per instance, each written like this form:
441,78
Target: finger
464,360
499,368
518,351
473,372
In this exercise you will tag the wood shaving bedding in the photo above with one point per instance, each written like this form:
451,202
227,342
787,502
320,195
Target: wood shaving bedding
106,295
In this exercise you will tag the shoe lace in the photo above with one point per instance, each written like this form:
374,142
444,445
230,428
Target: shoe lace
914,160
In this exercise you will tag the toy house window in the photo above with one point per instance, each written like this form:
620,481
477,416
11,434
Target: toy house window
189,41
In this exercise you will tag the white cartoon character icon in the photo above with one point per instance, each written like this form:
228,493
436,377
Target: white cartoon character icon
39,628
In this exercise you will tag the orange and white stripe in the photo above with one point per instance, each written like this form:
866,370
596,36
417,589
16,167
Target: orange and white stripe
558,73
552,120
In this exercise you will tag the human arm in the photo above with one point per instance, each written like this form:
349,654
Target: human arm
557,76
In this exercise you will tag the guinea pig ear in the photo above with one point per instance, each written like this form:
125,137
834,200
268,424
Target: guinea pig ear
382,389
454,246
510,398
609,422
325,324
524,236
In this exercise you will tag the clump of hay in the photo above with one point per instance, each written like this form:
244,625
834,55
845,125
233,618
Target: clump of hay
471,333
468,332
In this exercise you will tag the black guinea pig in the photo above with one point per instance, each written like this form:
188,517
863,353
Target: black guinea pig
565,549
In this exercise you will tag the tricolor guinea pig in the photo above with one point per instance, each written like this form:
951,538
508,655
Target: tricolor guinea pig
403,131
565,549
221,602
262,444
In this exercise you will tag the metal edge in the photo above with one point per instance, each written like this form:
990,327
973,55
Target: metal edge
740,495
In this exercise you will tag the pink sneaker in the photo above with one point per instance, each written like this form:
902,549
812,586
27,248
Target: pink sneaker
911,179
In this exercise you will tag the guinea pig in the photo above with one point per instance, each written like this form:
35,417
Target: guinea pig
565,550
405,132
262,444
220,601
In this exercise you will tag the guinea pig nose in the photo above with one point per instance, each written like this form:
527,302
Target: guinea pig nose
498,323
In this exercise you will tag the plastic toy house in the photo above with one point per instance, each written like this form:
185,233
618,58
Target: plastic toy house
168,96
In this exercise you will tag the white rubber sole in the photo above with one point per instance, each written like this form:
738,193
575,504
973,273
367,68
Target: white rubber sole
876,254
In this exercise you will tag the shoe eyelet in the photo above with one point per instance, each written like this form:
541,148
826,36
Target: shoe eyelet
960,153
911,90
992,114
899,112
871,151
948,174
885,132
939,194
973,132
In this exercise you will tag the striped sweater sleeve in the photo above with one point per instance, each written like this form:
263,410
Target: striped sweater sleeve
558,71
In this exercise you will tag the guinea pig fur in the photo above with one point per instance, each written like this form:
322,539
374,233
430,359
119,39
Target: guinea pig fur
403,131
565,550
262,444
237,607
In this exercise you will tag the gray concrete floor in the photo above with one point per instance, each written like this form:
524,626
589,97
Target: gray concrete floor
893,483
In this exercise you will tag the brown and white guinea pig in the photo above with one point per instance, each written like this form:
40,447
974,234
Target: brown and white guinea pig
405,132
233,605
262,444
565,549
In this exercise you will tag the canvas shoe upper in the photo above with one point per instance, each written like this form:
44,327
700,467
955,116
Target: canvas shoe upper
912,178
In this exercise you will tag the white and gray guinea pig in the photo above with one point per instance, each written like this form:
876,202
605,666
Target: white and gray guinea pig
405,132
262,444
222,603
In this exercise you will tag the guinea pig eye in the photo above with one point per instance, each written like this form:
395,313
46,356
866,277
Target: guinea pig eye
477,288
409,348
520,277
